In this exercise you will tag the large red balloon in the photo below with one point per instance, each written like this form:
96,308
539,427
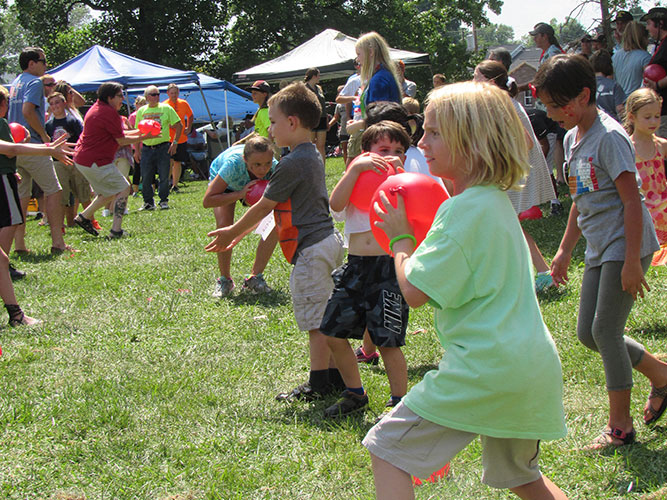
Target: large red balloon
654,72
18,132
255,192
367,183
422,196
149,126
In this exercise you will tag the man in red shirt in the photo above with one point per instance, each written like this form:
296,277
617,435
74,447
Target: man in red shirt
184,112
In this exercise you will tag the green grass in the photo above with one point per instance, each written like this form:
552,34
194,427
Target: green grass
139,385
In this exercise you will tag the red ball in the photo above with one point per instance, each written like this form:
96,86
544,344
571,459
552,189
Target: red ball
654,72
531,214
367,183
18,132
422,196
149,126
255,192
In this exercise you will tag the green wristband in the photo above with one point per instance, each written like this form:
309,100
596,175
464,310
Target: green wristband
401,237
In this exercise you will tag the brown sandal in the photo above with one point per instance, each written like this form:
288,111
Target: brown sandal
656,392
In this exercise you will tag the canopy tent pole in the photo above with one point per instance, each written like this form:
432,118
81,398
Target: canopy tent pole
229,142
127,98
210,117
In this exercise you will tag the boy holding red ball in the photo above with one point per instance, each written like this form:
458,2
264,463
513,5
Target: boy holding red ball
366,296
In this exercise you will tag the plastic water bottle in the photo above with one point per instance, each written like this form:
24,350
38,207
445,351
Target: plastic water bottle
356,110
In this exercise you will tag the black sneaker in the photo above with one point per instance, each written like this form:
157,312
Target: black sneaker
15,273
85,224
116,235
348,403
147,207
557,209
303,392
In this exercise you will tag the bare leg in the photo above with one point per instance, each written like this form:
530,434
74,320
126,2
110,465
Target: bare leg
391,483
320,354
98,202
175,173
542,489
119,209
54,210
367,344
7,237
656,371
559,158
224,216
6,287
397,370
535,254
346,361
19,237
264,252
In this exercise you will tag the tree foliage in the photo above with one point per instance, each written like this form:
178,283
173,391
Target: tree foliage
492,35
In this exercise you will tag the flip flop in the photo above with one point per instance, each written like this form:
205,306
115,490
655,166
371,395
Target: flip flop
606,439
656,392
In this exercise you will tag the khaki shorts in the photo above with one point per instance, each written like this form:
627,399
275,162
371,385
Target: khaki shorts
123,166
106,180
354,145
310,281
420,447
72,182
39,169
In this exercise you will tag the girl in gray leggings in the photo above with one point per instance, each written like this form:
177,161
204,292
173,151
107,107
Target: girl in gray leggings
608,210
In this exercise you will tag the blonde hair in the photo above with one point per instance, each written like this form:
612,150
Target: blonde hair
637,100
411,105
479,125
376,51
635,37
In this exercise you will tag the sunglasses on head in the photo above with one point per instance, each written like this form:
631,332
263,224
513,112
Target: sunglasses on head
153,94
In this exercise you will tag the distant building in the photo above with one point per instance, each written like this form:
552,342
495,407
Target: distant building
525,62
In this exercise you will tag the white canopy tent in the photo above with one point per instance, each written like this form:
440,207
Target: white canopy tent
332,52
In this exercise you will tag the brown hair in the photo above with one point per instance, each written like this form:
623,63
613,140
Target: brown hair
637,100
296,100
257,144
385,129
56,94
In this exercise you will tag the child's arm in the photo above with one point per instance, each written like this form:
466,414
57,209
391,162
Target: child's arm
394,223
59,149
227,237
340,196
632,274
561,260
215,195
661,143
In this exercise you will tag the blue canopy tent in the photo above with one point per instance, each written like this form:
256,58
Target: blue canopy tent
87,71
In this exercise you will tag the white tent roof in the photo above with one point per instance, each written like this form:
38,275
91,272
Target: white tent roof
332,52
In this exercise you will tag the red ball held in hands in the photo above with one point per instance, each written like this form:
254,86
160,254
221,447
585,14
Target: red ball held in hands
422,196
149,126
18,132
368,182
654,72
255,192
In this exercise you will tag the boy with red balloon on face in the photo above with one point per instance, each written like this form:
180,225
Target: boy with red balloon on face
366,294
235,175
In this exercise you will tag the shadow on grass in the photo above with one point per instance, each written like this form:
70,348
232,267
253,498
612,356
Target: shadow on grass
274,298
417,372
553,294
37,257
647,466
649,328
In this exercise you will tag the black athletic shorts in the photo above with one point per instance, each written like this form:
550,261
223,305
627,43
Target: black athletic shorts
366,295
10,205
324,122
181,155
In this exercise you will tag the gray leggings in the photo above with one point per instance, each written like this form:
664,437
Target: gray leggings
603,310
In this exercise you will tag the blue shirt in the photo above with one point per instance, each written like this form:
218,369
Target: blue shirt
629,68
232,168
27,88
382,87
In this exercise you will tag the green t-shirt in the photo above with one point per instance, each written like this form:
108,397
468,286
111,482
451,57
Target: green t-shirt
500,375
162,113
7,165
262,122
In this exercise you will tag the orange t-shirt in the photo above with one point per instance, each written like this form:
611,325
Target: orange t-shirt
183,110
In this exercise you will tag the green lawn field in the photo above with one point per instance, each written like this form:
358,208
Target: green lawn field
140,385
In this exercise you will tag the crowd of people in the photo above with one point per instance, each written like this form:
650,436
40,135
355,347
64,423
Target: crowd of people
500,376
